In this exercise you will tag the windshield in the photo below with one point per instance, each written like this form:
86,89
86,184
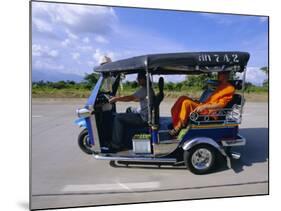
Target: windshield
107,84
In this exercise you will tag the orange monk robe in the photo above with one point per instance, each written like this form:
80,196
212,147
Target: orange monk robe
185,105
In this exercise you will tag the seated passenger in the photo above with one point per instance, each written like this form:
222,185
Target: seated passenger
184,105
124,121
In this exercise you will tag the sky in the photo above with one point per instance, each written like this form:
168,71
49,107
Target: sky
71,39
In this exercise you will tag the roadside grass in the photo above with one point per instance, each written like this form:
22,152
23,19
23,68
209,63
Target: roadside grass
46,92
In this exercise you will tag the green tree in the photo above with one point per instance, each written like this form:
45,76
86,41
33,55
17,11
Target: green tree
170,86
91,80
196,81
134,84
178,86
70,82
59,85
40,83
265,70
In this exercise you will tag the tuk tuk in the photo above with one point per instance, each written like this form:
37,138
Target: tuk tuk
198,146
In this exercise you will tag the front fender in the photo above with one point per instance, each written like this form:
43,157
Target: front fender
81,122
202,140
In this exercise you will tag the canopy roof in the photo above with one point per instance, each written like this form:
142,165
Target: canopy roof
179,63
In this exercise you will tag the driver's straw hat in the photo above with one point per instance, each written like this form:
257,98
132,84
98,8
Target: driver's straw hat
105,59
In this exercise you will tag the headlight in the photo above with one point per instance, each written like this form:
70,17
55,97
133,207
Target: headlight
83,113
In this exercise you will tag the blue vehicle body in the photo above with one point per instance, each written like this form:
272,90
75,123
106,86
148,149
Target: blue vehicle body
85,122
216,134
81,122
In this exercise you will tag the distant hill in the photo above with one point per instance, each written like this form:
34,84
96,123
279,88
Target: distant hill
54,77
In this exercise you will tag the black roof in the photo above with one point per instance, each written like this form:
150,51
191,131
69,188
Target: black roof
179,63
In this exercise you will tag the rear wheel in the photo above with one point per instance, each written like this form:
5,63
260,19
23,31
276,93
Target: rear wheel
84,142
200,159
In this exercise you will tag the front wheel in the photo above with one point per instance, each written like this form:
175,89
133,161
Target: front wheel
200,159
84,142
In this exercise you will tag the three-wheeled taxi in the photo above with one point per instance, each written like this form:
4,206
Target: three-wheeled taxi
199,145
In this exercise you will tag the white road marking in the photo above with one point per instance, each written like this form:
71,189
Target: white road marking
111,187
124,186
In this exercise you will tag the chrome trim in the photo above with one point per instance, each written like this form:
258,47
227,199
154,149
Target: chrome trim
213,126
148,91
243,93
83,112
243,90
231,115
235,155
134,159
95,133
203,140
90,107
228,161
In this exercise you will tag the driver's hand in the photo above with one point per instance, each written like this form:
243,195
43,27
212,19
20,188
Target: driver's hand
112,100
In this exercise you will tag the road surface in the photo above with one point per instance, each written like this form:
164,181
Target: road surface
63,176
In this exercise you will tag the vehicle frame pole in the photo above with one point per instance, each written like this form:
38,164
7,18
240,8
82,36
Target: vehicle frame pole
243,91
148,90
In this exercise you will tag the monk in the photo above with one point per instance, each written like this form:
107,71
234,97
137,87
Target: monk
217,100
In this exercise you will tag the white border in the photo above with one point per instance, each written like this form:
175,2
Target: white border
15,102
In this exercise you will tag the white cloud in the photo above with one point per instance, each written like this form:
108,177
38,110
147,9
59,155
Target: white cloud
77,18
47,65
101,39
218,18
41,25
36,50
65,43
43,51
173,78
91,64
225,19
85,29
53,53
167,78
98,55
71,35
86,40
75,55
85,48
136,41
254,75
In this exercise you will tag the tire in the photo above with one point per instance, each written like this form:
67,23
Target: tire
200,159
83,142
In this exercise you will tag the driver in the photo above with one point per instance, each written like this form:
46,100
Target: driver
123,121
217,100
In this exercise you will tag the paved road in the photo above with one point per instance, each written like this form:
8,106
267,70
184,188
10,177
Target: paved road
62,175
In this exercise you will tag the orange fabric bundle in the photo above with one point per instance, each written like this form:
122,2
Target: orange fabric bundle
185,105
222,95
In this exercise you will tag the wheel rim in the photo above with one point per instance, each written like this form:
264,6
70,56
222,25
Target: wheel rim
86,141
201,159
